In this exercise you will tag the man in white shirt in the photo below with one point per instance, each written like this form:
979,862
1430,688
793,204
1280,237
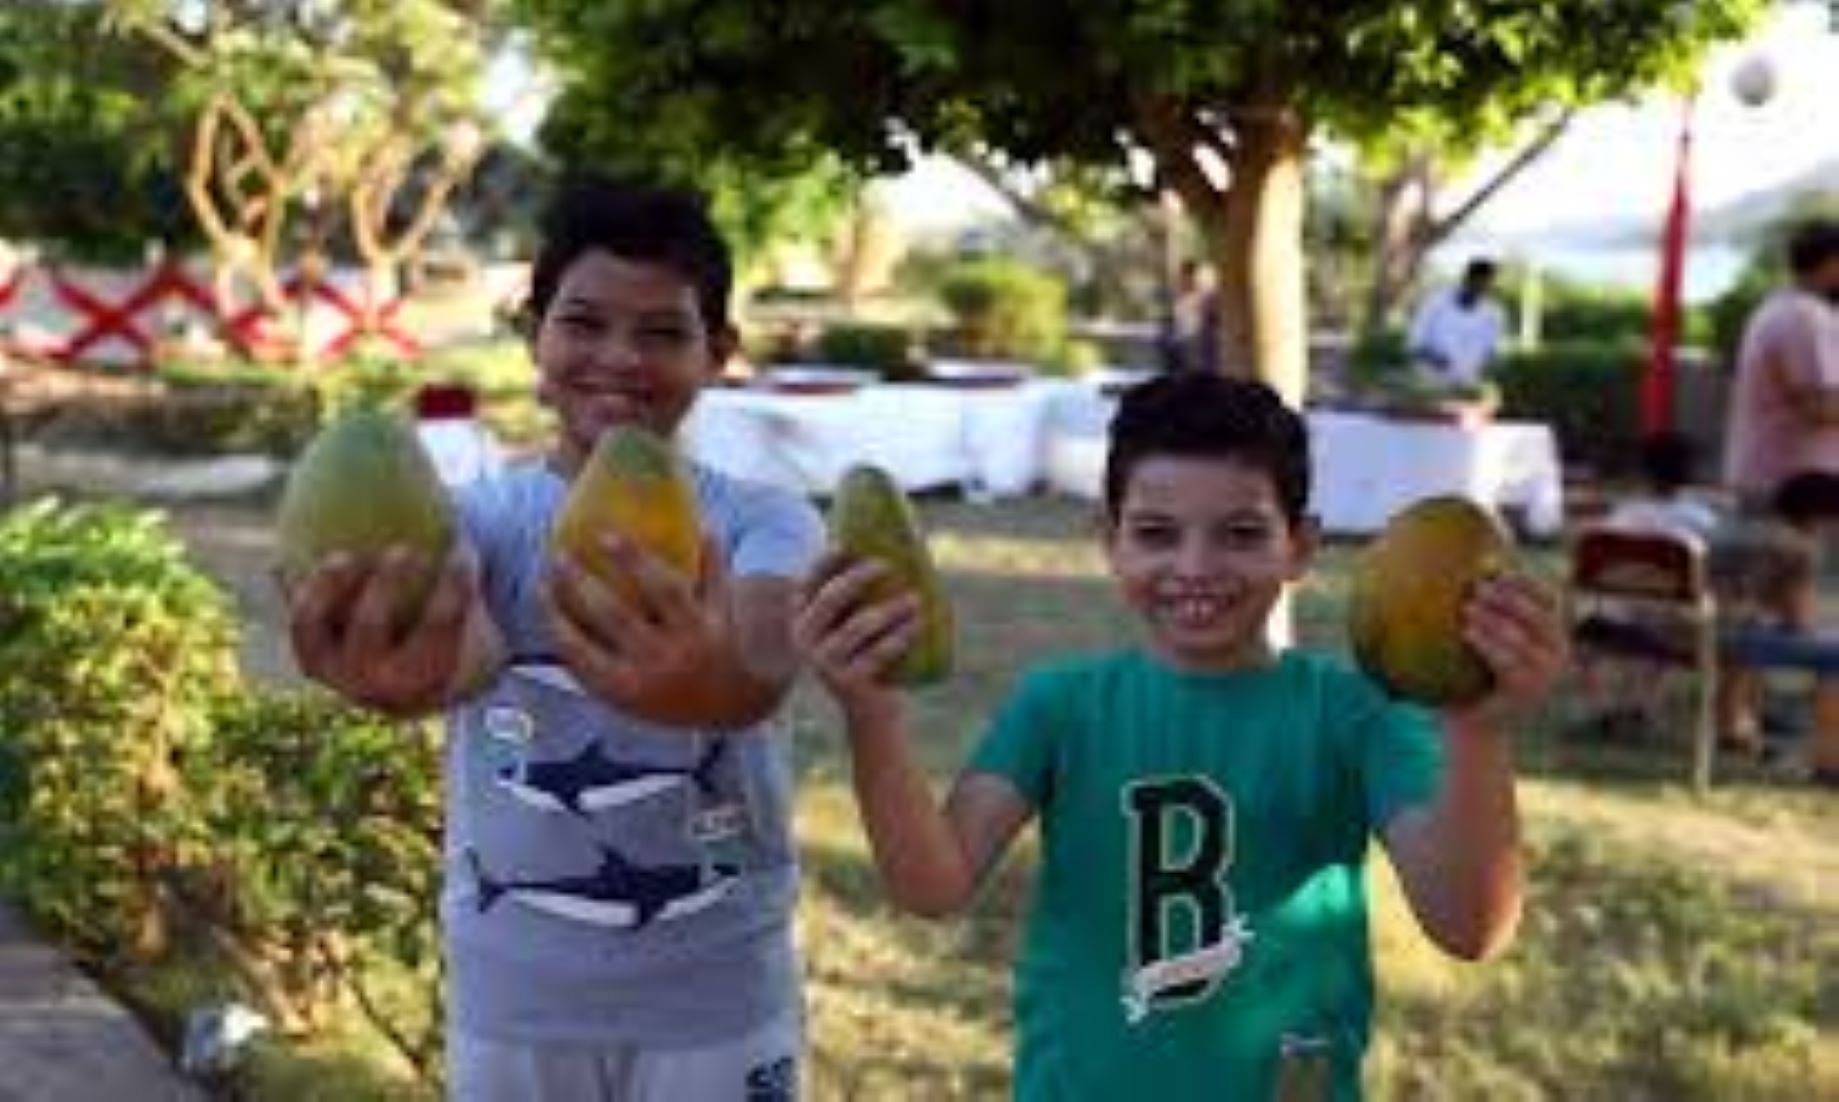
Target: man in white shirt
1458,330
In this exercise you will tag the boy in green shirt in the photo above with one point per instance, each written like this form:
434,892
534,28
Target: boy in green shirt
1199,926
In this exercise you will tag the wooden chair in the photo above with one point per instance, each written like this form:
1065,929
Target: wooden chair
1646,596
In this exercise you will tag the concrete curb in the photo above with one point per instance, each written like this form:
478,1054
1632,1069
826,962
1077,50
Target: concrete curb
64,1040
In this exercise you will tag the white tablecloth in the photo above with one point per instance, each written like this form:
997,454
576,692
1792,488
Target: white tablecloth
1007,441
988,440
1365,468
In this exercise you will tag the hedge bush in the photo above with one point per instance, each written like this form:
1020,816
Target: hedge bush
1589,393
1003,310
110,644
150,800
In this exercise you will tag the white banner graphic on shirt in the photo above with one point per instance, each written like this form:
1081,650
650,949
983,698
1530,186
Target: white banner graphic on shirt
1143,985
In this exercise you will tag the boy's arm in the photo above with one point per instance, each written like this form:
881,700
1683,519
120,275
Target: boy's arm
932,858
1459,857
342,624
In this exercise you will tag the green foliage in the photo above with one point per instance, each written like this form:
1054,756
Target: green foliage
1571,312
146,798
326,860
88,148
886,349
109,642
1588,392
1005,310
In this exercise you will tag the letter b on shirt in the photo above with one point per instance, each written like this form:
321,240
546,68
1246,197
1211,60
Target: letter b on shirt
1180,848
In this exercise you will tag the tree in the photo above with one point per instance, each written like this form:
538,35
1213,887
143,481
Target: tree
1407,222
1227,92
801,191
319,125
88,151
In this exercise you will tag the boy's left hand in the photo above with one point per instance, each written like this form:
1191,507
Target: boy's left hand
658,646
1517,626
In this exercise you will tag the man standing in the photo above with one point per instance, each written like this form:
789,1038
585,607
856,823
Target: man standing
1458,330
1784,407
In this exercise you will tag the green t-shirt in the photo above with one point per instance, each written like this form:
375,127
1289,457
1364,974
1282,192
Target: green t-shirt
1201,903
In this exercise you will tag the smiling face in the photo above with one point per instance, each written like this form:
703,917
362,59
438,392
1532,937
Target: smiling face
1201,550
622,342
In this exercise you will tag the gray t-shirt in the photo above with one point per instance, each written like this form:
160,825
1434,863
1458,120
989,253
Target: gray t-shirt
609,879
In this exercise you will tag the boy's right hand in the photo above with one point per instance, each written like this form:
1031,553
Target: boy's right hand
342,620
848,640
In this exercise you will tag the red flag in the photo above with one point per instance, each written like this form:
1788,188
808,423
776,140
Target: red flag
1663,333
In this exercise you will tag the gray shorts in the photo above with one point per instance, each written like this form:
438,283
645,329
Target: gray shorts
761,1066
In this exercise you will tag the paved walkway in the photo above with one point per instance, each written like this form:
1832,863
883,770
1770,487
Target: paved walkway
63,1040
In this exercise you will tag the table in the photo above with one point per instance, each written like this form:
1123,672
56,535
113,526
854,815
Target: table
987,440
1365,467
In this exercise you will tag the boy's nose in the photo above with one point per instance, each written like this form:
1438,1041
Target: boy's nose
1195,557
616,350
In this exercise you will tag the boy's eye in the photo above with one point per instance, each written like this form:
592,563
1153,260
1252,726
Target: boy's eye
581,324
662,335
1154,534
1246,535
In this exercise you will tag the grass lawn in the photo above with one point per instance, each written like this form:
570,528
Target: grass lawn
1673,948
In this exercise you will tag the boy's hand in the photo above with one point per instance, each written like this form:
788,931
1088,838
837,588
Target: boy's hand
661,645
1516,625
849,642
343,623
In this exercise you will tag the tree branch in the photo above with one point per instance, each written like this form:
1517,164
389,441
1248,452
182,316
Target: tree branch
1440,228
1030,208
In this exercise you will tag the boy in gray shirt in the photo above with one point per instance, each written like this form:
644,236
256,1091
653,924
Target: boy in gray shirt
619,871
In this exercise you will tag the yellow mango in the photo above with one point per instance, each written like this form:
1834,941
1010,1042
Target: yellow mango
1408,589
634,485
871,518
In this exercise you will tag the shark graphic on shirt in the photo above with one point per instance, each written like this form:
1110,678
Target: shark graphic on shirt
618,894
591,781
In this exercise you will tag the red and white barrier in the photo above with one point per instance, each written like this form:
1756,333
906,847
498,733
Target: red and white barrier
118,317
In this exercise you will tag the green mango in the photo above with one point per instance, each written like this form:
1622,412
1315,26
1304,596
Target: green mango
361,485
871,518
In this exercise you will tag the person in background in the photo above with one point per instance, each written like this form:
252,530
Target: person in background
1765,571
1669,505
1457,331
1206,804
1195,319
1783,414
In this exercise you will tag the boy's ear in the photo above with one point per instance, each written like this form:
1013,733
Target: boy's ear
724,342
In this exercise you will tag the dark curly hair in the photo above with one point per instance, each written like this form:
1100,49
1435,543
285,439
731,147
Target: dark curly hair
636,222
1202,415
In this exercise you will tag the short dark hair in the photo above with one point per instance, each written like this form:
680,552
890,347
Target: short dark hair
1480,270
1208,416
639,222
1806,496
1811,243
1667,458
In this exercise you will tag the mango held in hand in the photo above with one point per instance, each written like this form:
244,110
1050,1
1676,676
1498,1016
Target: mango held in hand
636,486
361,486
1409,585
871,518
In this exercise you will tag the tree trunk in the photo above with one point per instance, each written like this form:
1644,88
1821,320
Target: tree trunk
1400,237
1258,251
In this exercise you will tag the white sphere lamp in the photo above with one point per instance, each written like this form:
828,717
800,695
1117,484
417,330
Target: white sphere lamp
1753,80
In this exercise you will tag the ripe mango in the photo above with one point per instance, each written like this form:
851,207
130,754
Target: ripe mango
364,484
1408,589
870,518
635,485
